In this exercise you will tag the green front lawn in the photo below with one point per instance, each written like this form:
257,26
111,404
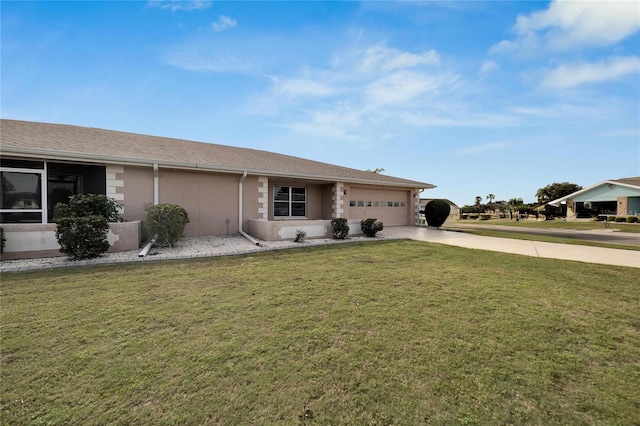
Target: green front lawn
386,332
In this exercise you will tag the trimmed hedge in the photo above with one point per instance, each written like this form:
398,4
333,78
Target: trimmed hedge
83,224
167,221
371,226
3,240
436,212
82,237
632,219
339,228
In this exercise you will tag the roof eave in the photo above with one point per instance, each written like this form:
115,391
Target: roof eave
559,201
109,159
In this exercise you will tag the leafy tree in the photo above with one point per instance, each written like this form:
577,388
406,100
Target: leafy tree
516,203
376,170
478,200
554,191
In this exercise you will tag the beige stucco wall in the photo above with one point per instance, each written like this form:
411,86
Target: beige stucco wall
137,190
209,199
286,229
326,211
33,240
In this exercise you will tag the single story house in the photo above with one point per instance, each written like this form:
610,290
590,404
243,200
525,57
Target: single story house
224,189
617,197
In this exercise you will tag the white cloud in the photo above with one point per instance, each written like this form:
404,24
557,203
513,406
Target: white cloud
567,24
380,58
301,87
570,23
487,67
180,5
574,75
404,86
224,23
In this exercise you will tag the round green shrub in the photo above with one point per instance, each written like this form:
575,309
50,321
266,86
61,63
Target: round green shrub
436,212
82,237
83,224
167,221
371,226
632,219
339,228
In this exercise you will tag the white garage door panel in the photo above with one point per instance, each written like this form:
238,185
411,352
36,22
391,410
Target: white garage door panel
374,199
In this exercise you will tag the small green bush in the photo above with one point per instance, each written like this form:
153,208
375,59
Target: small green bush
83,224
167,221
3,240
621,219
371,226
82,237
485,216
339,228
632,219
437,212
611,218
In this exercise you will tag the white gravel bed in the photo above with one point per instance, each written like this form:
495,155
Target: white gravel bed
189,247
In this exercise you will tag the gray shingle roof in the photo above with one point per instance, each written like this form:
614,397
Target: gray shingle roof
47,140
633,181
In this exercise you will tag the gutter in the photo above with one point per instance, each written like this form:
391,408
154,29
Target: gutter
240,231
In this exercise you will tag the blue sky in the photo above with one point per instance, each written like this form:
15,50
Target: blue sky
474,97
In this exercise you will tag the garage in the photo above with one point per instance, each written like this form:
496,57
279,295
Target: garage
391,207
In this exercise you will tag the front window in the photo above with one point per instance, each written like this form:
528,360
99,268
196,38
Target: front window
22,197
289,201
32,189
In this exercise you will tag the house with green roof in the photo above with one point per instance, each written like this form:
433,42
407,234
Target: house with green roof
616,197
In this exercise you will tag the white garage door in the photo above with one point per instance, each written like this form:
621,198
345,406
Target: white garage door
388,206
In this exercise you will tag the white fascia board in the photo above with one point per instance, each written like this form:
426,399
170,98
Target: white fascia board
564,199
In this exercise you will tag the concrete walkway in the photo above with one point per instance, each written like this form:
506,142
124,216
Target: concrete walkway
579,253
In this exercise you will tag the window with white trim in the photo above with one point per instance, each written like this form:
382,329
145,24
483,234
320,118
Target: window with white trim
22,195
289,201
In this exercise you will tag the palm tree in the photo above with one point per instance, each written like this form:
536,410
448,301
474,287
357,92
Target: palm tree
478,200
491,197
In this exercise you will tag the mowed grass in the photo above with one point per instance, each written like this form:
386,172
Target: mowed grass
386,332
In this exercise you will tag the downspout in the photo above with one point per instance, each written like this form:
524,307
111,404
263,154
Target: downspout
240,231
155,184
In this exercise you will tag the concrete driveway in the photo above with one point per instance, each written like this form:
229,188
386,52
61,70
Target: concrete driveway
579,253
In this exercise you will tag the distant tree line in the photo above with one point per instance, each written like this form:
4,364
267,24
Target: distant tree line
544,195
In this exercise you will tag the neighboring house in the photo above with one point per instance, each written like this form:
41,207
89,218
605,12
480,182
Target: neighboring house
453,213
225,190
610,197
